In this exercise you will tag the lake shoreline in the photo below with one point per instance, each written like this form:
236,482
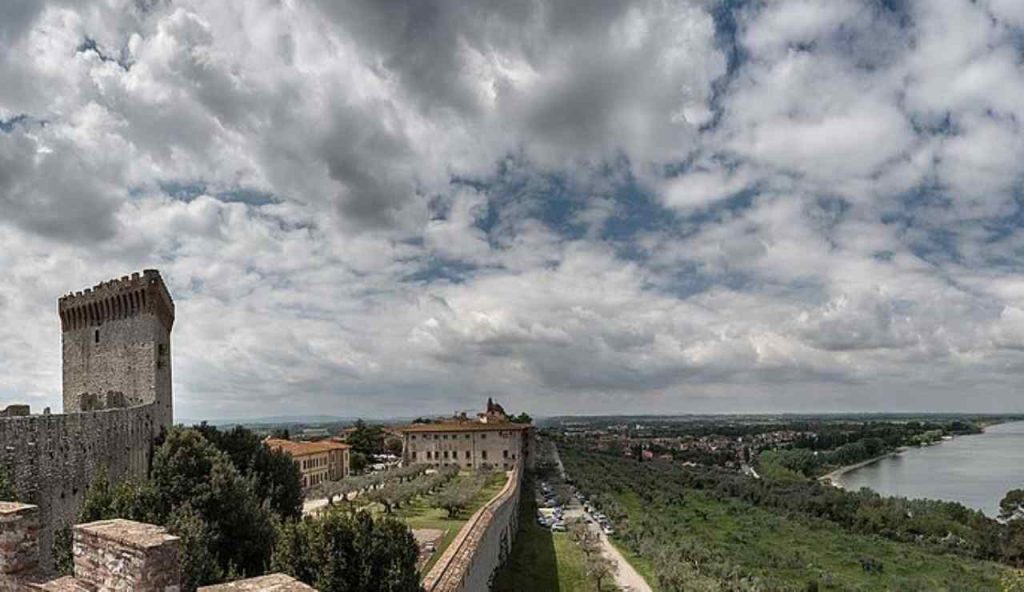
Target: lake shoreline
833,477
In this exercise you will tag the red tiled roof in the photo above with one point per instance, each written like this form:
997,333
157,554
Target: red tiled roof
304,448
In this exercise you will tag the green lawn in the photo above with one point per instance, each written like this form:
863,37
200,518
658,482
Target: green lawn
792,553
541,560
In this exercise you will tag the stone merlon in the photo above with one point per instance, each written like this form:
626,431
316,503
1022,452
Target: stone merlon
117,299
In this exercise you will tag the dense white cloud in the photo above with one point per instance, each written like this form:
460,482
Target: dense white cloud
395,208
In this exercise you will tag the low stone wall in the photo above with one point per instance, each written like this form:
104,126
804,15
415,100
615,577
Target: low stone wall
52,459
483,544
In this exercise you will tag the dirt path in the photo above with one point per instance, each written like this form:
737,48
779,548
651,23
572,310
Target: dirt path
627,578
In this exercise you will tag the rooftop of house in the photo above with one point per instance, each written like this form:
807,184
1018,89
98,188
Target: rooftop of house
304,448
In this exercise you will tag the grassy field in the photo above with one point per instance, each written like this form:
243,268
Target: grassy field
795,554
541,560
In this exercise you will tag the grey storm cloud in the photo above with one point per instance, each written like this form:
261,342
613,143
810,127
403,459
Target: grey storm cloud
368,207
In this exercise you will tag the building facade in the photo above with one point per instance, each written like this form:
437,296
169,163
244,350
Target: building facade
318,462
490,440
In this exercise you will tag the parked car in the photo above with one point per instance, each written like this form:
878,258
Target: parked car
558,527
608,530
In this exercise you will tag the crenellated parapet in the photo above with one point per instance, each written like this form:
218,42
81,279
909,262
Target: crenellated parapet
118,299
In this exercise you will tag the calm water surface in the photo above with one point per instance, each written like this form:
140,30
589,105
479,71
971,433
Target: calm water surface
973,470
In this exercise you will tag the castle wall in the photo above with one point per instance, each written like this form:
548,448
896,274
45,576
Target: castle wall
52,459
483,544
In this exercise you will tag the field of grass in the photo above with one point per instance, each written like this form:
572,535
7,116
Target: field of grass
796,554
540,559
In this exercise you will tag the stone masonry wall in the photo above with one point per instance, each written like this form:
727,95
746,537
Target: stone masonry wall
52,459
122,555
483,544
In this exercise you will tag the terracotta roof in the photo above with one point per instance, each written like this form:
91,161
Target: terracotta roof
464,426
304,448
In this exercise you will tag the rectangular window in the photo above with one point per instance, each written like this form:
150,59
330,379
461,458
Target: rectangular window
446,455
414,455
483,454
96,336
468,454
504,453
468,436
483,436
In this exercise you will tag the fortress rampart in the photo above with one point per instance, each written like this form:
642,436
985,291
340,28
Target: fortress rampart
52,459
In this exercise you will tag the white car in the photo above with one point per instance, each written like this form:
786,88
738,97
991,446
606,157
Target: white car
558,527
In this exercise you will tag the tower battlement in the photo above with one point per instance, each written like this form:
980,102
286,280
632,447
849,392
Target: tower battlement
117,299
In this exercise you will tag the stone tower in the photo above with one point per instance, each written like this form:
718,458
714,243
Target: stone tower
117,346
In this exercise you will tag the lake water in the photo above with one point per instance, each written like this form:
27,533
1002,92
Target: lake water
973,470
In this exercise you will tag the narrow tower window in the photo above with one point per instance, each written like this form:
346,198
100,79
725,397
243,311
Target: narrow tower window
96,336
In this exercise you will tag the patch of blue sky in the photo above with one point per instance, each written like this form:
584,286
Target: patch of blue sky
726,29
190,190
435,269
8,125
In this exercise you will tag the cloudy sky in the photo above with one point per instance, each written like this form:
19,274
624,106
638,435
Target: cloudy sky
382,208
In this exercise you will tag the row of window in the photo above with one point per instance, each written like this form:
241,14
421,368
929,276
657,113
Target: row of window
313,463
503,434
469,465
311,480
437,455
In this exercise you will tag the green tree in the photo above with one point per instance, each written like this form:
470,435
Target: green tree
1011,509
188,469
357,462
198,563
275,476
345,551
522,418
198,494
366,439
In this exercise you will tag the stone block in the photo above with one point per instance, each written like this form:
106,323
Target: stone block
19,538
271,583
118,555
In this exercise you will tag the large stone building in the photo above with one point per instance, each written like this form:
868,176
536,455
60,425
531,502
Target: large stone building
117,399
318,462
490,440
